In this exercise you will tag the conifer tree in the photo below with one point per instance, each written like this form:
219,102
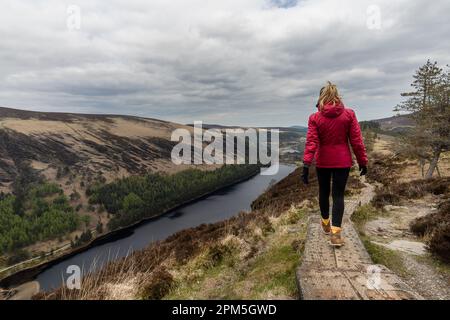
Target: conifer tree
429,106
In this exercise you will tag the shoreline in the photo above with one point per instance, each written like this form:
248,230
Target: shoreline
29,274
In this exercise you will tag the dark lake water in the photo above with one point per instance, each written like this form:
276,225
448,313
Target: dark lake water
216,207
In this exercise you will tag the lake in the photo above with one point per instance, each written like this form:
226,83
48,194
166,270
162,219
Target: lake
218,206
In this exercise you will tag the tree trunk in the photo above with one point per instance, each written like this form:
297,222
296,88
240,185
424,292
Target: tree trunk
433,164
422,167
437,169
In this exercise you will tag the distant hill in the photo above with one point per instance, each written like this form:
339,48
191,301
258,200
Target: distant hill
395,123
300,128
292,139
223,127
80,147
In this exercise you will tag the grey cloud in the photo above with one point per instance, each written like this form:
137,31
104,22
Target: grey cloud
284,3
254,62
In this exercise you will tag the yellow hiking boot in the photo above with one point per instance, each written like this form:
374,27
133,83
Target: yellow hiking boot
336,239
326,225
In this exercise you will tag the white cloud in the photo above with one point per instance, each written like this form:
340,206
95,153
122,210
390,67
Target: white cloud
244,62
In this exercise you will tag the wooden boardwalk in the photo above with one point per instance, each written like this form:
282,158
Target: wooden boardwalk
346,273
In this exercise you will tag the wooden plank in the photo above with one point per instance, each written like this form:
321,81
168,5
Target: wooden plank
316,285
390,287
318,252
346,273
353,252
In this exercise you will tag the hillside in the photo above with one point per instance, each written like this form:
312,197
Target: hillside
70,148
395,125
57,170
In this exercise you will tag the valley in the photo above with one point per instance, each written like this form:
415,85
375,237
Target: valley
67,179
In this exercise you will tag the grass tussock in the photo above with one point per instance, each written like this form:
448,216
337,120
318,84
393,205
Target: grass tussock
394,193
219,253
386,170
159,285
382,169
435,228
115,281
364,214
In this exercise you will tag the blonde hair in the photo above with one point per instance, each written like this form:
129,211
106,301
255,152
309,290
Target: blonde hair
329,94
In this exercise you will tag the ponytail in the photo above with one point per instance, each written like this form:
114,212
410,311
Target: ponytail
328,94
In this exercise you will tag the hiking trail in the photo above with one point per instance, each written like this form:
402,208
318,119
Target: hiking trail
346,273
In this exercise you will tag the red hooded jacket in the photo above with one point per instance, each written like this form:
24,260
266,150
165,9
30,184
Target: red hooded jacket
329,133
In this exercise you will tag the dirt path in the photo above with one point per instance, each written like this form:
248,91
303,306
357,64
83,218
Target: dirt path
424,278
392,231
346,273
383,145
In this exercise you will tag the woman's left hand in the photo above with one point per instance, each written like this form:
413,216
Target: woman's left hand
362,170
305,175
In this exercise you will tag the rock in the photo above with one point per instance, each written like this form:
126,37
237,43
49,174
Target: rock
411,247
398,208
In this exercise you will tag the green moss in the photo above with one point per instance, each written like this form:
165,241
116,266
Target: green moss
269,274
295,216
200,274
275,269
366,213
219,254
386,257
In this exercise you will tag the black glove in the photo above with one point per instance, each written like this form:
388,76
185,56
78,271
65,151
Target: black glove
362,170
305,174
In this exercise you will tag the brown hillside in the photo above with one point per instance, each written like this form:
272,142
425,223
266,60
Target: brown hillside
64,146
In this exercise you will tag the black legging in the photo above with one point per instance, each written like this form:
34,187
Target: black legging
339,177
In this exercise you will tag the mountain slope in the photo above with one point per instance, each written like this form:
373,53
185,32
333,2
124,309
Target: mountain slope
397,123
49,162
65,146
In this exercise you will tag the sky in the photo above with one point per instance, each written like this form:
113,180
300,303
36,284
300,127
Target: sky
233,62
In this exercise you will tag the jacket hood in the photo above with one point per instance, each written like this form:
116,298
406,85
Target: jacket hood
332,111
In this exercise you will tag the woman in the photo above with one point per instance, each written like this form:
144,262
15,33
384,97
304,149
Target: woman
330,130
